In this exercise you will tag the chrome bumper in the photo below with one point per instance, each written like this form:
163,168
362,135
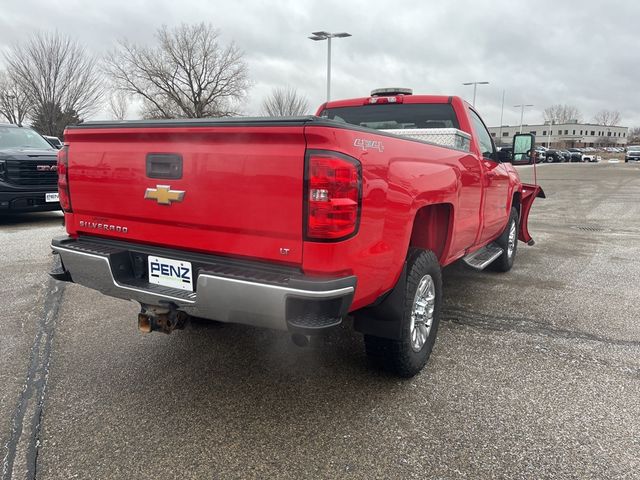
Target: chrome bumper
281,301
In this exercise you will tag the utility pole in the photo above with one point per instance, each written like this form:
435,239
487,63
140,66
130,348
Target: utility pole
501,116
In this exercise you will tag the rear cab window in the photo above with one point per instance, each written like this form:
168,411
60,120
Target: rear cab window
395,116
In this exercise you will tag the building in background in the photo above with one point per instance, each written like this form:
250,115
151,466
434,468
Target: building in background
565,135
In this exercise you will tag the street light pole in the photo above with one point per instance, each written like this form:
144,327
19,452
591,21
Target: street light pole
475,87
522,112
501,117
316,36
328,68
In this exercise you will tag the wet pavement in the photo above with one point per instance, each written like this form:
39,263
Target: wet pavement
535,373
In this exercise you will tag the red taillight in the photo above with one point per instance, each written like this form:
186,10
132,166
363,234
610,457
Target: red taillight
63,179
333,196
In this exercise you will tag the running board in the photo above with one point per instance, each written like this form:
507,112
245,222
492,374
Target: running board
482,258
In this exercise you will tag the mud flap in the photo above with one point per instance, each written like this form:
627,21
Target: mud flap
529,194
381,319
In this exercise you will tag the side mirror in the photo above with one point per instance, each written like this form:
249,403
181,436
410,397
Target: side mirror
523,149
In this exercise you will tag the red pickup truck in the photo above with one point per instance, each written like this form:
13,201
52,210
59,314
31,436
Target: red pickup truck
293,223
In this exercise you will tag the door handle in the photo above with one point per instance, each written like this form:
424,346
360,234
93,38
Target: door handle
164,165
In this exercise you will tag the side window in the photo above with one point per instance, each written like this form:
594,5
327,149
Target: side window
486,145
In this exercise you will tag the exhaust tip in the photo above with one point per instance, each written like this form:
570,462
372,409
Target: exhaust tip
144,323
300,340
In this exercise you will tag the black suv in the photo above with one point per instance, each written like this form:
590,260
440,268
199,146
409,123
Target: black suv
28,171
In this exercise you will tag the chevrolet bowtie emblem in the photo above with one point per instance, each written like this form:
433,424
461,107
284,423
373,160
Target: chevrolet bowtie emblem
164,195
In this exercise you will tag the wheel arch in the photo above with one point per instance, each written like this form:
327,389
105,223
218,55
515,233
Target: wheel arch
432,229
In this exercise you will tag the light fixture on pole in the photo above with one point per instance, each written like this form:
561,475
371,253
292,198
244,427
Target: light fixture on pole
475,87
522,106
328,36
501,116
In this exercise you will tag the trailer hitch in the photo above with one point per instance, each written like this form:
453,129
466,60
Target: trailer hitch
162,319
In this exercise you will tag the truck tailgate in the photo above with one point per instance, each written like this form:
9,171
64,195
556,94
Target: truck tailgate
242,186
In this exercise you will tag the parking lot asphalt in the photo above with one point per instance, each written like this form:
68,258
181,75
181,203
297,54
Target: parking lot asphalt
535,373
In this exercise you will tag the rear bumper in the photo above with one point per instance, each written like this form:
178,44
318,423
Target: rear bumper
226,290
19,201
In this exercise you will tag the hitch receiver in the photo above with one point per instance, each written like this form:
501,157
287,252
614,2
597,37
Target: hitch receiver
162,319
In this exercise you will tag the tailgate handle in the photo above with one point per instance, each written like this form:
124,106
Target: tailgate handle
164,165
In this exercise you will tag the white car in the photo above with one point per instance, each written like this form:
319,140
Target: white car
590,157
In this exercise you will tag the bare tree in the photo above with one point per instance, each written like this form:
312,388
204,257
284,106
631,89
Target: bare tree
188,74
634,135
14,102
608,118
56,74
284,102
561,113
119,105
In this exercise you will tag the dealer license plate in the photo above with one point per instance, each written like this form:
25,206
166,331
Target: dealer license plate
51,197
170,273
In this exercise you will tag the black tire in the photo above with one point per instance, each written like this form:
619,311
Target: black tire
505,261
399,356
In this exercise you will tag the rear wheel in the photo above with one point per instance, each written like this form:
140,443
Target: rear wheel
508,241
420,319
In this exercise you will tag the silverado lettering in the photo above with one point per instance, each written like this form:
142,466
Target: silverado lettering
102,226
295,223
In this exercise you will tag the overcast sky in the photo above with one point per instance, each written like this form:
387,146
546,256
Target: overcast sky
583,53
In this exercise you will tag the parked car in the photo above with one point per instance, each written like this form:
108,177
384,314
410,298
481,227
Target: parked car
632,153
553,156
28,171
54,141
590,157
576,155
506,152
566,155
